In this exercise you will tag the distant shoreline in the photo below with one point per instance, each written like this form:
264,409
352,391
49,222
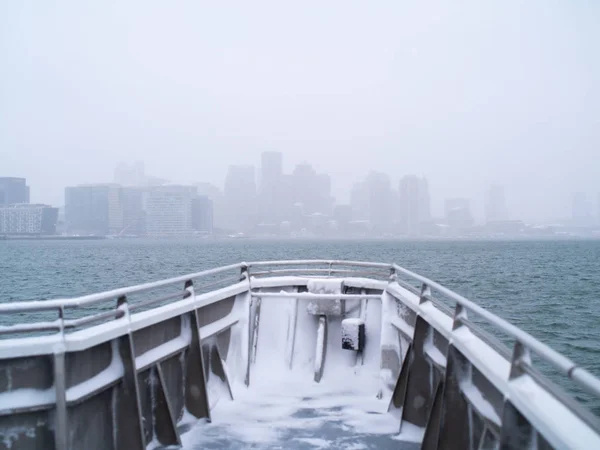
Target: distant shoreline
52,238
483,238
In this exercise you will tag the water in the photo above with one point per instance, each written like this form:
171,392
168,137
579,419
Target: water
551,289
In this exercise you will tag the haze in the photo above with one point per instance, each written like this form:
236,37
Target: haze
465,93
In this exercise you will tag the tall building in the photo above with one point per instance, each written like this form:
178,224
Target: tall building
495,207
134,216
359,201
169,210
581,210
202,214
87,209
115,210
13,190
414,204
372,200
271,197
215,195
240,198
28,219
311,189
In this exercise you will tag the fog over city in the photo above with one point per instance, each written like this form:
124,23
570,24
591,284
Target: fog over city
466,94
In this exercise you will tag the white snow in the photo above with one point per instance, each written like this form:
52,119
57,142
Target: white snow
320,344
435,354
9,435
237,358
410,433
171,347
479,402
350,330
112,373
402,326
550,416
325,286
354,321
298,410
218,326
26,398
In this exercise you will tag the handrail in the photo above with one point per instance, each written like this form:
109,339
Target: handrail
562,363
45,305
565,365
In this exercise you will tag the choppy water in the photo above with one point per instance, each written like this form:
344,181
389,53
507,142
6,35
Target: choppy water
551,289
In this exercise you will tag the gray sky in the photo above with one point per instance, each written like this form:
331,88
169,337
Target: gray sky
466,93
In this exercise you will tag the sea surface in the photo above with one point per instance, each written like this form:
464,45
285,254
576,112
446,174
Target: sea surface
551,289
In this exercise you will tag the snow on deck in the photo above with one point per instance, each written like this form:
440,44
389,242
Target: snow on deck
285,408
302,414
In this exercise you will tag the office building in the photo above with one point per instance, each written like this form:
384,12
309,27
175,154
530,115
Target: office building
13,190
169,210
202,214
88,209
414,205
24,219
271,197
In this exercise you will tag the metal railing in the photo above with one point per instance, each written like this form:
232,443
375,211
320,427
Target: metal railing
523,342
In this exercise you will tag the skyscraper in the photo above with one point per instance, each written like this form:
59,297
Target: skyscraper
271,195
13,190
87,209
202,214
581,210
495,207
311,189
414,204
169,210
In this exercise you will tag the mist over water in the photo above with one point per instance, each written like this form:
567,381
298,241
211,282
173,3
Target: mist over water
468,95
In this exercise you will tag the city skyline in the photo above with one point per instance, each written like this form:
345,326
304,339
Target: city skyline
265,199
479,198
467,97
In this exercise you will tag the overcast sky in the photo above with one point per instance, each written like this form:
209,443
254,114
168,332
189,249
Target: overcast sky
466,93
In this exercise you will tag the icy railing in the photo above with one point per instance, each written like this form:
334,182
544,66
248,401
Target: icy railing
66,315
150,295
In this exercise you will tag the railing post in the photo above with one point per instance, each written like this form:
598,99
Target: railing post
460,314
521,357
244,272
393,275
425,293
60,385
129,433
187,287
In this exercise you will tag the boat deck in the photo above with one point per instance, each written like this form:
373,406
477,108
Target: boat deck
332,417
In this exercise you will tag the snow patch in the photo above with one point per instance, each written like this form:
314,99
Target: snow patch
112,373
410,433
27,398
168,348
435,354
325,286
479,402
